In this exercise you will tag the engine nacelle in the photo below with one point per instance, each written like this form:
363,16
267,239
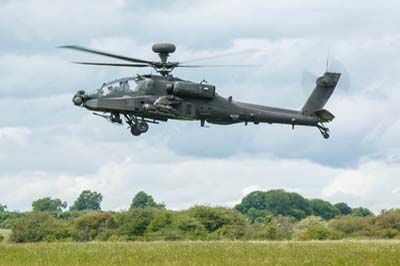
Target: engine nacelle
193,90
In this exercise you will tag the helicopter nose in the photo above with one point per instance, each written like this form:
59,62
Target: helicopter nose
91,104
78,98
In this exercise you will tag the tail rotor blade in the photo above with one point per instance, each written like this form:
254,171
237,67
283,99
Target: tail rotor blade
308,80
344,81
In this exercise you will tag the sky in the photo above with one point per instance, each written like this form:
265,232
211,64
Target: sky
49,147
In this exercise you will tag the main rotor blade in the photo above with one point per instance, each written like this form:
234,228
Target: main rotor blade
219,56
198,66
112,64
83,49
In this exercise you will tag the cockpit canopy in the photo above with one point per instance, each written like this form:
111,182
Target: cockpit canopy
124,86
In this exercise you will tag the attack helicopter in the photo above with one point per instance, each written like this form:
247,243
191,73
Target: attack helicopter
149,98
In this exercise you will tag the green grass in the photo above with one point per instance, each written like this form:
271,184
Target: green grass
203,253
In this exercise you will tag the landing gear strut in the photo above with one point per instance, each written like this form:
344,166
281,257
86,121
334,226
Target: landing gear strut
137,127
324,131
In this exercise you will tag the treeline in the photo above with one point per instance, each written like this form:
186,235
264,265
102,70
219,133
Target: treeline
258,205
272,215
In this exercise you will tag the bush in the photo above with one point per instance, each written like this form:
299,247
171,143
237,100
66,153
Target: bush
351,225
106,235
7,219
133,224
313,228
278,228
35,227
91,224
230,232
214,218
66,215
1,238
388,220
191,228
160,220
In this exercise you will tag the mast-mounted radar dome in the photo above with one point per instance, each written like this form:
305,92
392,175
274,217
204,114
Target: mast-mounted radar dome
164,48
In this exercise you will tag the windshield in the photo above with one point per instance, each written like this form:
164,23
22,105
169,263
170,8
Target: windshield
121,86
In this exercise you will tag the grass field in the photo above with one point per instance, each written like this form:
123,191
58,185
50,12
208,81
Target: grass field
203,253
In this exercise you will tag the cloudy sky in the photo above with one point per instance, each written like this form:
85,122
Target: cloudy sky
48,147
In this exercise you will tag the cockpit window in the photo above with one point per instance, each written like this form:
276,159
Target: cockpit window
123,86
140,85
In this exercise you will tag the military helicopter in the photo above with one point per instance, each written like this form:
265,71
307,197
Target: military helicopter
151,98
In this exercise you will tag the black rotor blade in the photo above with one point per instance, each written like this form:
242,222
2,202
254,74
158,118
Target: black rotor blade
83,49
220,56
112,64
198,66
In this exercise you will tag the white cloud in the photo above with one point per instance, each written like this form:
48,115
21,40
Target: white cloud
18,136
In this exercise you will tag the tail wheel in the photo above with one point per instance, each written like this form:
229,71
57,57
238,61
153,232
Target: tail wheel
142,126
324,131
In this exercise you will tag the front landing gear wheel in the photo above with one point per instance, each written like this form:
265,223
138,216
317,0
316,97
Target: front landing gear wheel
326,135
142,126
135,131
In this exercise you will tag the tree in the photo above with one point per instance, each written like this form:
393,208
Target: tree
343,208
88,200
323,209
3,208
362,212
276,202
142,200
48,204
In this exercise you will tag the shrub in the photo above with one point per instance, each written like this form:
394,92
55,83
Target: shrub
349,225
230,232
1,238
388,220
134,223
106,235
214,218
91,224
160,220
191,228
7,219
35,227
313,228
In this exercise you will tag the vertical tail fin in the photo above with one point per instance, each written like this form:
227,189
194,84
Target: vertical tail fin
325,85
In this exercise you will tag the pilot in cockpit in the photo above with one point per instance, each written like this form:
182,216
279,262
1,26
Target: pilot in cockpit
124,86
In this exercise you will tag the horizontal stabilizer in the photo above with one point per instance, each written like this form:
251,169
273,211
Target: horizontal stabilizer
325,115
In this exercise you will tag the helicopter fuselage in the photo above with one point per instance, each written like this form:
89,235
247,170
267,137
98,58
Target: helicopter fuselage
160,98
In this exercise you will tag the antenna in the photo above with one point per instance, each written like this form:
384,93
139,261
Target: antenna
327,59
